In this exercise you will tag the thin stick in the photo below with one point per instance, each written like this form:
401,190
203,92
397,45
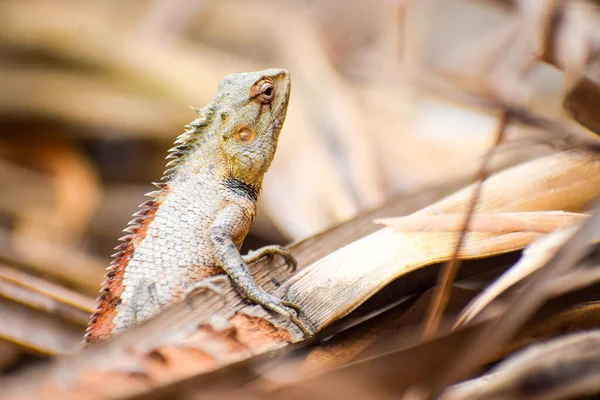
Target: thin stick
446,278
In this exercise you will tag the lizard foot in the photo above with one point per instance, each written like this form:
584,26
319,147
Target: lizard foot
286,309
211,283
272,251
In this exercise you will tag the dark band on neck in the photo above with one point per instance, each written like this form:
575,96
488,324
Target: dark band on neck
242,188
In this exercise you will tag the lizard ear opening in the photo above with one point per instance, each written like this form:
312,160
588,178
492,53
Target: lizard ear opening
245,135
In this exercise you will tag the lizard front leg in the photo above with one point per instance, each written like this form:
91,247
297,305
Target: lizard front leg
230,222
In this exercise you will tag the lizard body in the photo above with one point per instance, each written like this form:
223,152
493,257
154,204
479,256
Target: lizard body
196,222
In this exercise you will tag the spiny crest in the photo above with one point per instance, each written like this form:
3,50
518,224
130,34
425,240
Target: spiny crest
101,322
187,141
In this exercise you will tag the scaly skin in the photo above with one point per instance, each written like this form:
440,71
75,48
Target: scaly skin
195,224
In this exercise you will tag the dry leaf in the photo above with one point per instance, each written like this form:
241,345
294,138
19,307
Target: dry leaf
541,222
535,256
563,368
564,181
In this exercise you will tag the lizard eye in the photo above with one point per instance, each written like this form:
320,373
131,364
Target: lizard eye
264,91
245,135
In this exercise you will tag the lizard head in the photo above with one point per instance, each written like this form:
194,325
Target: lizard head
256,105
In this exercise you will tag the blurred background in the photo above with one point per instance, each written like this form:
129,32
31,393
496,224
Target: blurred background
93,93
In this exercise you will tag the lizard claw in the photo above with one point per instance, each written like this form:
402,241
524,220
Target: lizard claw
289,311
289,260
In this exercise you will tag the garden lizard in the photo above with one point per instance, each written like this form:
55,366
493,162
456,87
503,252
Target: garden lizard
194,225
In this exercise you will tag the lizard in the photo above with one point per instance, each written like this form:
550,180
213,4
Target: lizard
195,223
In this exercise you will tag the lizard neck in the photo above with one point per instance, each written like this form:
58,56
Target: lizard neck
242,188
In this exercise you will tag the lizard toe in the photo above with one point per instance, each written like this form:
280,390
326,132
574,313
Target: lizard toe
212,283
289,311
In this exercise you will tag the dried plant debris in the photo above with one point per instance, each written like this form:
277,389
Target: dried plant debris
563,368
39,316
535,256
325,291
523,304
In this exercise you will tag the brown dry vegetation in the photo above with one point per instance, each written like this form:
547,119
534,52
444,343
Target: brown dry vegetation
396,106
